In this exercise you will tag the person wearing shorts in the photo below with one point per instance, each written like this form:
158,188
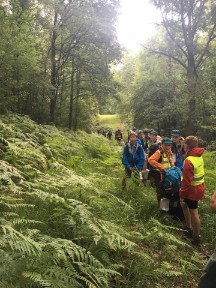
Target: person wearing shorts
192,188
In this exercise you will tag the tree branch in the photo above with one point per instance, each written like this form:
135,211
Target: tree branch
171,36
167,55
211,37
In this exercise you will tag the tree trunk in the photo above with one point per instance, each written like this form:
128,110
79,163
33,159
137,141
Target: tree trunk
53,99
70,120
78,77
191,82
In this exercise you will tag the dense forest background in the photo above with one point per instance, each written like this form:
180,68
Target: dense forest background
58,65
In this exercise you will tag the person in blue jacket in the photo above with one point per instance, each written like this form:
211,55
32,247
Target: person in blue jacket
133,157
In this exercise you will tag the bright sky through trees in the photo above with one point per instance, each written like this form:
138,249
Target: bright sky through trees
136,23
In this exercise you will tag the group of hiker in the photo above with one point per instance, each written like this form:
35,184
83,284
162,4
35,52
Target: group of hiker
118,136
176,170
180,159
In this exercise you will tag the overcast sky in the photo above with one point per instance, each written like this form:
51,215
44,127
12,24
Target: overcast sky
136,23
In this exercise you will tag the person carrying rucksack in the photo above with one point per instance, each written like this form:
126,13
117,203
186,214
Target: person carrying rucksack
109,134
192,187
160,162
177,148
118,135
133,157
153,143
171,186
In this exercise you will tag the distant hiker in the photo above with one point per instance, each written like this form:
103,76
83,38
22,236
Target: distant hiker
152,146
140,137
133,157
153,143
146,138
109,134
177,148
101,132
118,135
160,162
192,187
208,279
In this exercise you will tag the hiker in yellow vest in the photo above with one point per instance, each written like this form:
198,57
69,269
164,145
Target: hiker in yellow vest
160,162
192,187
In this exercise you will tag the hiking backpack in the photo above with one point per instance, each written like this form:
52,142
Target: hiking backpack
172,183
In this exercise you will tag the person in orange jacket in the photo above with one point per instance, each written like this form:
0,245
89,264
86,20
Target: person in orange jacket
160,162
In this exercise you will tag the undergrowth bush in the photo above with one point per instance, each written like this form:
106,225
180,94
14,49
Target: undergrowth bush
66,222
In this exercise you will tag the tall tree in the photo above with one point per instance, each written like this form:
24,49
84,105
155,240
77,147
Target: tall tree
190,26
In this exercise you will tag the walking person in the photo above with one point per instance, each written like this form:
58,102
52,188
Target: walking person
133,157
160,162
192,187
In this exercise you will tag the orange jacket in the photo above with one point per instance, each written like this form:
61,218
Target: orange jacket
153,160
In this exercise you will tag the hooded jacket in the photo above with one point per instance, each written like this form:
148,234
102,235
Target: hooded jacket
187,190
133,156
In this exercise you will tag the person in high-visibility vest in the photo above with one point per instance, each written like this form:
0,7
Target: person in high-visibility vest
160,162
192,187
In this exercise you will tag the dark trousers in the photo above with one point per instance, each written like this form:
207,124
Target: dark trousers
156,180
208,279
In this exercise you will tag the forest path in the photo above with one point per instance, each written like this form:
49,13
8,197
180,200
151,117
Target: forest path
113,122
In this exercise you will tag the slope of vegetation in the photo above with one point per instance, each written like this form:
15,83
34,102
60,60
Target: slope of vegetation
65,222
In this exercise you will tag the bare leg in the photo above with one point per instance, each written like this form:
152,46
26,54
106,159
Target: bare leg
195,220
187,214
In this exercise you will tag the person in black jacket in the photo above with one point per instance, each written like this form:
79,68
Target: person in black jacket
208,279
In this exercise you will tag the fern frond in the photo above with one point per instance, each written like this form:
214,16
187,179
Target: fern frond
38,278
167,269
19,242
21,221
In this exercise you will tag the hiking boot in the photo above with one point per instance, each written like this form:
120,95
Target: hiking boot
188,232
196,241
123,183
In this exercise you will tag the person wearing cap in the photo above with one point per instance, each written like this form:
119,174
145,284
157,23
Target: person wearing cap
160,162
133,157
153,144
118,135
192,187
140,138
146,138
177,148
